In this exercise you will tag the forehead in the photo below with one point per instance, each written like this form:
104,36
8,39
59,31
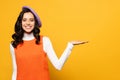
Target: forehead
28,15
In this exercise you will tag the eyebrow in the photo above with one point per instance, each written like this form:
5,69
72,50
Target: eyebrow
29,18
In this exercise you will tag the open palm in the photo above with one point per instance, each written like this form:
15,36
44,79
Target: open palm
78,42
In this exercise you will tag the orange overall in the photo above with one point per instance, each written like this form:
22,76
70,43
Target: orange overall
31,61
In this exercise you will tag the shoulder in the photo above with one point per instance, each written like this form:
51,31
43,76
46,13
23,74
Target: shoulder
11,48
11,45
45,38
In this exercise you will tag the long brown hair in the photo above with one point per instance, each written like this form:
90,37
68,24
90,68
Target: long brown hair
18,35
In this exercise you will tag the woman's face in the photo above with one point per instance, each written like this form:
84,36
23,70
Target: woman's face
28,22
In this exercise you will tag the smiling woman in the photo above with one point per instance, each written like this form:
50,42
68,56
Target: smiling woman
28,22
29,49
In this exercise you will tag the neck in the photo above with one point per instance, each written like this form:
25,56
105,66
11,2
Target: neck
27,36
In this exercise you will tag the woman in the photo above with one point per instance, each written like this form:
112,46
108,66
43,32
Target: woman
29,49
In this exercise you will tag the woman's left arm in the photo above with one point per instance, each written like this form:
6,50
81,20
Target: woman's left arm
48,48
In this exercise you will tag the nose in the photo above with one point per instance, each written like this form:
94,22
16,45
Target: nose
28,22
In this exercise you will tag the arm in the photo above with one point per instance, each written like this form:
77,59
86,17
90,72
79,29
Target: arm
57,63
14,74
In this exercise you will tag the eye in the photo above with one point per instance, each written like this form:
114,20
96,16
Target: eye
32,20
24,20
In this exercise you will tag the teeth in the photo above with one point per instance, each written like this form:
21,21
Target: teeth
28,26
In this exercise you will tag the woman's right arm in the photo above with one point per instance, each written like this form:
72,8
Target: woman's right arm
14,73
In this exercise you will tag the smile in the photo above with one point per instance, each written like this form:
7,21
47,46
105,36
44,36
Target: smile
28,27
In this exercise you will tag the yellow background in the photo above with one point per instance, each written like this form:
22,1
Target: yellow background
97,21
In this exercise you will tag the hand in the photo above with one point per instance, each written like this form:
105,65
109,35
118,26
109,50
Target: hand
78,42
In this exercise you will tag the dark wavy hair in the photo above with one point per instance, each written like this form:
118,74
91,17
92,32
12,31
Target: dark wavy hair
19,32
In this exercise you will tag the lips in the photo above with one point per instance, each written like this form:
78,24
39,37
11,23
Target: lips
28,27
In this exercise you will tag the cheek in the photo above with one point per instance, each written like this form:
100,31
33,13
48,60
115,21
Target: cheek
23,23
33,23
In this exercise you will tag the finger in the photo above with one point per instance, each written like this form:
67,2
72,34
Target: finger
82,42
85,42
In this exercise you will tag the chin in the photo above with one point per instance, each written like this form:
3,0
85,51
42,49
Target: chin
28,32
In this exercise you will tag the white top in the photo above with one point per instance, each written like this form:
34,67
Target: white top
47,47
